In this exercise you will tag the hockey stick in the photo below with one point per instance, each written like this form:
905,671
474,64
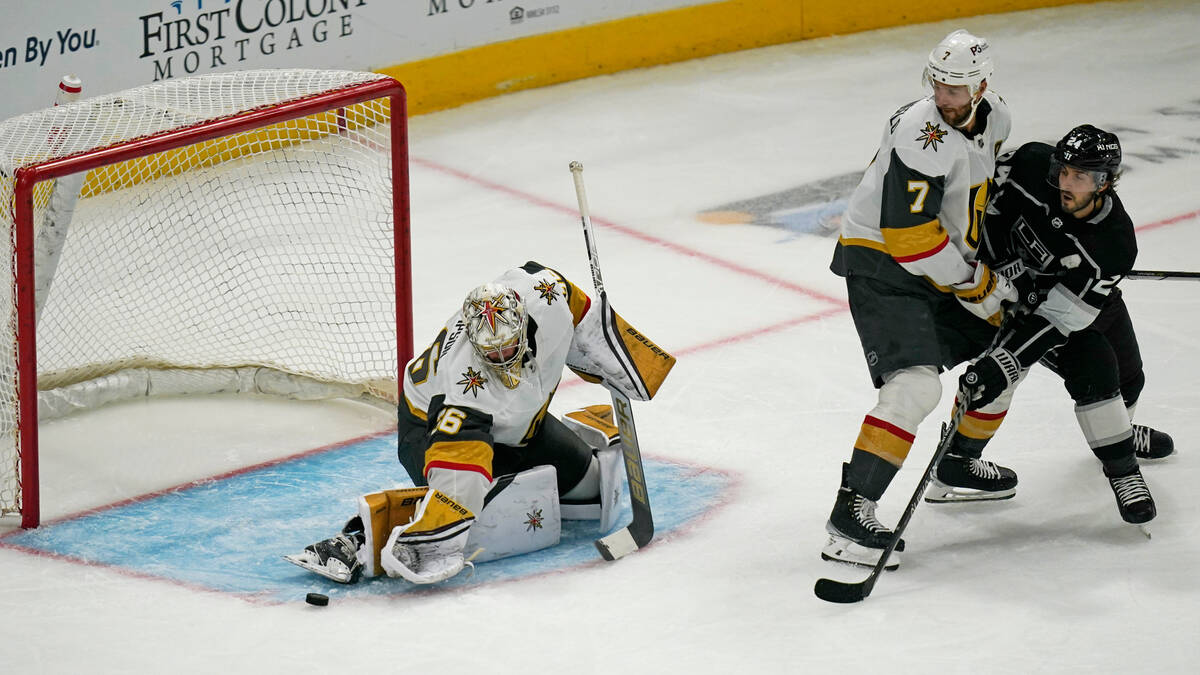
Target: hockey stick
641,529
1159,275
830,590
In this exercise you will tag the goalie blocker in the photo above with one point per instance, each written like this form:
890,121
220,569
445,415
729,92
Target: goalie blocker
414,533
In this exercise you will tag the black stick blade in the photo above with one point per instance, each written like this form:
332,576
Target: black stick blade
840,591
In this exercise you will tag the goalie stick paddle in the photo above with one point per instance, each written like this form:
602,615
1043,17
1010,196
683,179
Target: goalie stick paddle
1161,275
641,528
830,590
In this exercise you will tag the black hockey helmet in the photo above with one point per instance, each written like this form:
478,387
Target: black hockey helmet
1090,149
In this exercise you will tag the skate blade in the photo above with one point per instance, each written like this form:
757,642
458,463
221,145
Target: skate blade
940,493
840,549
342,577
1145,530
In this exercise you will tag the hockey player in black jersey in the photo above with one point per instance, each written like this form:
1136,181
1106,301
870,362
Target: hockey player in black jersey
1057,229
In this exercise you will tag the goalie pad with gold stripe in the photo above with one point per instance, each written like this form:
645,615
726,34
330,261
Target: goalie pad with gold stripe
382,512
594,425
606,349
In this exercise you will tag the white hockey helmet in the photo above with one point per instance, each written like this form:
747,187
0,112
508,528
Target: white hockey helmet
497,328
960,59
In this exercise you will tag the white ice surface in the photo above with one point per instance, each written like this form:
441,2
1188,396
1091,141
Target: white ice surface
770,386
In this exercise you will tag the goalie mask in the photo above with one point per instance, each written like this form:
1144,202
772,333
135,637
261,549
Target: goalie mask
497,328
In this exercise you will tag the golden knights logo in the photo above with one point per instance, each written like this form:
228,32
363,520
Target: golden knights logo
472,381
548,291
932,134
534,521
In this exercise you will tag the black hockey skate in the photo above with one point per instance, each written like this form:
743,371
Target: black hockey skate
969,479
335,558
1151,443
855,535
1133,497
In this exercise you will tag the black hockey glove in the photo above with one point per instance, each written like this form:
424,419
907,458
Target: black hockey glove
988,377
1023,283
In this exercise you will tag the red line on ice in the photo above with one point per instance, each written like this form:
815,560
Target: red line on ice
1167,221
631,232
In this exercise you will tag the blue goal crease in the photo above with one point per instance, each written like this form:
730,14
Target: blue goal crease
229,534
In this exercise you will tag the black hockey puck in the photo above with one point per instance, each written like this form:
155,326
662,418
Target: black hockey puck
317,599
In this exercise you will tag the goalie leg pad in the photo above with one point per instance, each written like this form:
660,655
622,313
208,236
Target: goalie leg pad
605,507
382,512
430,548
522,515
582,502
612,480
594,425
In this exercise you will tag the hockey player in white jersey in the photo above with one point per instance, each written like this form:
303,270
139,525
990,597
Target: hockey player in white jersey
920,300
474,407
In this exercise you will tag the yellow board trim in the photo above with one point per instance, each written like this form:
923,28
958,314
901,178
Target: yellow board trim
451,80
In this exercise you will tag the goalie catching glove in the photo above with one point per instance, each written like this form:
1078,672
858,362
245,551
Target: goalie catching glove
985,294
430,548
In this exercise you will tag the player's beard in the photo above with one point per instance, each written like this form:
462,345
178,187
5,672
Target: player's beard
957,117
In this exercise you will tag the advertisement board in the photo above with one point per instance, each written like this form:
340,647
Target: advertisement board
117,45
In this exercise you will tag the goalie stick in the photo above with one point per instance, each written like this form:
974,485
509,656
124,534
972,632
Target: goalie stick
830,590
1160,275
641,529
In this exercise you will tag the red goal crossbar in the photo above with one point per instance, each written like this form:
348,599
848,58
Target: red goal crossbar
27,177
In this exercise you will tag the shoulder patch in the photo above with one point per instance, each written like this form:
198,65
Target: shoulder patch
548,291
472,381
932,134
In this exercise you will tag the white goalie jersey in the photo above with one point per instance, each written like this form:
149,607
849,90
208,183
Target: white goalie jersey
451,371
478,410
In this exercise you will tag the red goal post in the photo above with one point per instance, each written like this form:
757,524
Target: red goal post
243,231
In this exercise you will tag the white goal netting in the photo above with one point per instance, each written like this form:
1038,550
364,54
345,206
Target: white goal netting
258,259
